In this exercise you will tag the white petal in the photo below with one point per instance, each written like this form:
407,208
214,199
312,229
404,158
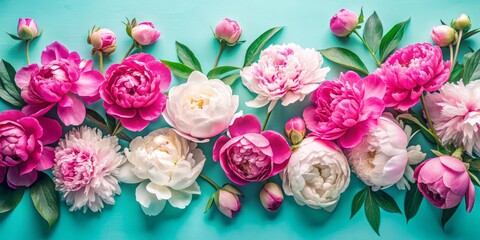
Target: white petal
151,206
126,175
197,76
180,199
272,105
258,102
161,192
415,155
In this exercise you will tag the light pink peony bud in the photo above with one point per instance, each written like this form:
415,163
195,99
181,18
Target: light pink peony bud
343,23
295,130
443,35
228,203
145,33
228,30
27,29
271,196
103,40
463,22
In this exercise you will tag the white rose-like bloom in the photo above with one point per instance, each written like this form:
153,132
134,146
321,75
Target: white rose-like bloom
287,72
200,108
166,165
316,174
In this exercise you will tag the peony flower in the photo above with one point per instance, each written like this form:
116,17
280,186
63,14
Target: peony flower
295,130
133,90
345,109
200,108
22,146
343,23
145,33
455,112
410,71
443,35
62,77
287,72
317,174
27,29
166,166
249,155
444,181
229,31
103,40
86,169
271,196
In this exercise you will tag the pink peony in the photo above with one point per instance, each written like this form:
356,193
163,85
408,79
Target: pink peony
345,109
103,40
228,30
410,71
62,76
27,29
249,155
455,112
343,23
444,181
145,33
283,72
133,90
22,146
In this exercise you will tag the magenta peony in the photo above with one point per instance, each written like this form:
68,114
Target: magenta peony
345,109
343,23
133,90
249,155
410,71
62,76
22,146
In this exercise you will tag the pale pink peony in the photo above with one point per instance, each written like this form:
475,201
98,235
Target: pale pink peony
103,40
343,23
228,30
62,77
455,112
145,33
27,29
345,109
284,72
410,71
86,168
22,146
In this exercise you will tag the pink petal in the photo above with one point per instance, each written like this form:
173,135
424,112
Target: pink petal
153,111
374,86
431,171
162,72
119,112
12,115
46,160
88,84
309,116
37,110
453,164
31,126
52,131
353,136
135,124
15,180
281,150
71,110
2,174
24,75
470,197
53,52
218,145
245,124
372,108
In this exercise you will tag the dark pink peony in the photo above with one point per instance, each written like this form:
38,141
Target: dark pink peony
249,155
22,146
133,90
410,71
62,77
345,109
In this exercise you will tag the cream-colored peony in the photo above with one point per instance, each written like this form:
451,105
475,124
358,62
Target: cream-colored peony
166,165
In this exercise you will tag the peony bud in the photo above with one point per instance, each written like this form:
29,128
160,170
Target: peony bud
343,23
462,23
443,35
271,196
228,203
145,33
295,130
27,29
103,40
229,31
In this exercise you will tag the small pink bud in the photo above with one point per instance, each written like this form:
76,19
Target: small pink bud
27,29
271,196
103,40
228,30
463,22
343,23
295,130
228,203
145,33
443,35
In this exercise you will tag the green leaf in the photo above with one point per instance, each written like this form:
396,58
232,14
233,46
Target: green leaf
456,73
209,203
475,164
373,32
413,119
9,197
413,200
178,69
257,45
230,79
187,57
386,202
218,71
8,88
372,212
96,118
447,214
358,201
14,37
471,71
45,198
111,122
470,33
361,16
392,39
346,58
443,23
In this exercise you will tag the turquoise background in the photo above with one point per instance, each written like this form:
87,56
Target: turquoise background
189,22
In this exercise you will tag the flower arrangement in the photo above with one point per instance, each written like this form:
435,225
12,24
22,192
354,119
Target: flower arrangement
360,123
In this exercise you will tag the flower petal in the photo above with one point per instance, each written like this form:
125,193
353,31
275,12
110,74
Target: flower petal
161,192
88,84
71,110
470,197
24,75
218,145
245,124
281,150
46,159
52,131
180,199
53,52
126,175
135,124
152,112
151,206
15,180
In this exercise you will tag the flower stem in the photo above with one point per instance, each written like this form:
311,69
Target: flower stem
27,46
379,64
222,47
266,120
129,51
474,177
118,128
457,48
429,120
100,59
209,180
451,53
107,129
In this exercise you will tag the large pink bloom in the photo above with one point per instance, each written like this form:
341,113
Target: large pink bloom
444,181
133,90
345,109
410,71
22,150
249,155
62,76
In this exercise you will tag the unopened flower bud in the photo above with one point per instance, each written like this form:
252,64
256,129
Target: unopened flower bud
271,196
103,40
295,130
462,23
443,35
27,29
228,203
343,23
229,31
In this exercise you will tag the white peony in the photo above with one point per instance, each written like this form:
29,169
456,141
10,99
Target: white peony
200,108
316,174
166,165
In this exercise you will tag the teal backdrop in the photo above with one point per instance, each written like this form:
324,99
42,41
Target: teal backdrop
189,22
